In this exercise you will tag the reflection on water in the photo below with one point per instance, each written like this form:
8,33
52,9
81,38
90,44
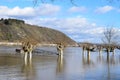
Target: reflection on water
73,66
87,61
60,64
28,71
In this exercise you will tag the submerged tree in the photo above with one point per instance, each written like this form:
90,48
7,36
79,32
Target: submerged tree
110,39
110,36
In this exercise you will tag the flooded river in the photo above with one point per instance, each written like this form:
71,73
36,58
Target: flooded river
73,66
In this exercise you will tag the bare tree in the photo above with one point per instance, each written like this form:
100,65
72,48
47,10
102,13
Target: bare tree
110,39
110,36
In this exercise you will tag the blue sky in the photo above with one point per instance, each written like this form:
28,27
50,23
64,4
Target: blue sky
84,21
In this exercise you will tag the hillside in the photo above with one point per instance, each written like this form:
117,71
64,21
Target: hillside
13,30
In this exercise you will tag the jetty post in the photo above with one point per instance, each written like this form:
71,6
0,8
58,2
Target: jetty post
60,48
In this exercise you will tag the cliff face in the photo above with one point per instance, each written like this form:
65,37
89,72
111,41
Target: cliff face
13,30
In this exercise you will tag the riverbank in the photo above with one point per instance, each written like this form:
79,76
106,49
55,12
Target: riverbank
40,50
40,44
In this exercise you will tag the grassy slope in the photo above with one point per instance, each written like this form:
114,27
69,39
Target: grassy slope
12,30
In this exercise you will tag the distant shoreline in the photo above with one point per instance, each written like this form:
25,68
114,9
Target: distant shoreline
19,44
10,43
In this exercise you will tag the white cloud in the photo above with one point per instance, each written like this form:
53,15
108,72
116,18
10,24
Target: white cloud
48,9
94,31
43,10
78,28
16,11
77,9
104,9
65,23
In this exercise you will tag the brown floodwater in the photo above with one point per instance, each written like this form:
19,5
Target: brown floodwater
73,66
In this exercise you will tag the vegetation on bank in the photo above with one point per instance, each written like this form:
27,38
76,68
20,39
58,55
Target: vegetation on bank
13,30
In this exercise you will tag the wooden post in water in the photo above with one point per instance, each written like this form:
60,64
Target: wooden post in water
113,49
60,48
27,48
60,57
83,50
88,54
30,49
88,51
100,50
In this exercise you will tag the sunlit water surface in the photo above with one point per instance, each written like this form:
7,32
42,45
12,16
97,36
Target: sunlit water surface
73,66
